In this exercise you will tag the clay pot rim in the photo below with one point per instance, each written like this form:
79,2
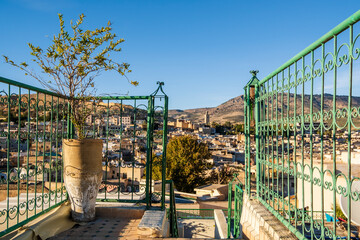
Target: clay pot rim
76,142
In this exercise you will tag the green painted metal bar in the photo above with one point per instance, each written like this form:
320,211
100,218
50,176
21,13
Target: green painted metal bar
257,114
121,97
36,146
63,131
295,141
18,172
8,157
43,156
288,137
107,147
275,159
302,144
322,143
193,213
148,151
27,154
173,215
120,139
311,143
334,138
349,180
164,144
120,200
29,87
133,150
56,149
325,38
238,202
69,123
247,162
229,208
151,137
50,146
238,199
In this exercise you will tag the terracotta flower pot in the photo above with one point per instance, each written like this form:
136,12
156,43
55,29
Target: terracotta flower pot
82,175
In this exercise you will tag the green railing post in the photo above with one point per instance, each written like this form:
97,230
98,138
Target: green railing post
257,139
149,127
251,113
247,139
171,209
172,213
229,208
238,196
70,126
164,143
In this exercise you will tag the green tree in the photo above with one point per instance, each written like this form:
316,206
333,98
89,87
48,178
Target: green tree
186,163
228,124
221,175
239,128
214,124
156,167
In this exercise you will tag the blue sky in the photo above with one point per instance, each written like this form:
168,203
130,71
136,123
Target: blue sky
202,49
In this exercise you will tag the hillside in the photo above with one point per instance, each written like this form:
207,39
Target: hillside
233,109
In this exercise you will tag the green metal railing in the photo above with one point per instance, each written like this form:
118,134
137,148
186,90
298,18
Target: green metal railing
193,213
33,123
172,214
234,215
305,118
127,126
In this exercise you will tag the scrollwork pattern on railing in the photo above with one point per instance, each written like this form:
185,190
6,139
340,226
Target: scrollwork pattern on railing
307,110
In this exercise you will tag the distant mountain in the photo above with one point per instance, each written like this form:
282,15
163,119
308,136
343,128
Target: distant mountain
233,109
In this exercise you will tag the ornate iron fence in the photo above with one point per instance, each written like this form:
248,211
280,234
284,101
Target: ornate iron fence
33,123
172,213
134,130
193,213
234,215
305,118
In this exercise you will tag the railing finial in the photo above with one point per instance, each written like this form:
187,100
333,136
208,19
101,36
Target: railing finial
160,83
254,72
159,88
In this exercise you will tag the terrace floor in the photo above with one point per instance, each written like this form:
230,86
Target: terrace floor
198,228
120,228
103,228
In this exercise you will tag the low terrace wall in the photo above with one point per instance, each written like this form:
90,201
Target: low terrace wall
259,223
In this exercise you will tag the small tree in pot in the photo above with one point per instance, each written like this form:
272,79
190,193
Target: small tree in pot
73,61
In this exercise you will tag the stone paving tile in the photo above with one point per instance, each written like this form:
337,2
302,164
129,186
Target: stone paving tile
102,229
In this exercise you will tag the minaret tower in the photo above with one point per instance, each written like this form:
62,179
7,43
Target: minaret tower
207,118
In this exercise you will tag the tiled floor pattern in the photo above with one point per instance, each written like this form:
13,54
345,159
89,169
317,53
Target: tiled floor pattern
111,228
